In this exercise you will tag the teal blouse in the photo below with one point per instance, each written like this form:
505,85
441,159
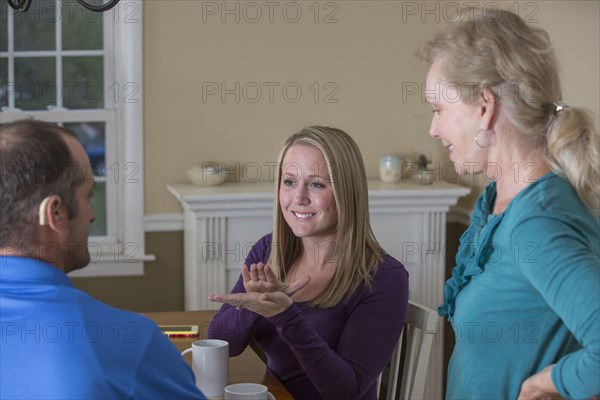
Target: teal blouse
525,293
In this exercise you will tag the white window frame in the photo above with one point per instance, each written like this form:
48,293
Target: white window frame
122,251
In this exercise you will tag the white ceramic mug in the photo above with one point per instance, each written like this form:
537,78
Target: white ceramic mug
248,391
210,363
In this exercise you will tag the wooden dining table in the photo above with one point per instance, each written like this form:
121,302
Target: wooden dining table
246,367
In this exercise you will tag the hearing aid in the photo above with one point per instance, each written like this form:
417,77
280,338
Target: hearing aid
42,211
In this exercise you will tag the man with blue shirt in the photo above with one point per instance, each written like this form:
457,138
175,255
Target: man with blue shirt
56,341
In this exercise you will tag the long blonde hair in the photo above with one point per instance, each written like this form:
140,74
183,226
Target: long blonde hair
496,50
356,250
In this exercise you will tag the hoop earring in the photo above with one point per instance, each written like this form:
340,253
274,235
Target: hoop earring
485,138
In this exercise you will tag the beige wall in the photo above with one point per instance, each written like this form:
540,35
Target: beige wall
363,60
367,55
159,289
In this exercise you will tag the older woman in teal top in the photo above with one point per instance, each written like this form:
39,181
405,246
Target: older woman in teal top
524,297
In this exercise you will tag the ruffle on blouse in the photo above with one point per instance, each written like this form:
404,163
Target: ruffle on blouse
472,255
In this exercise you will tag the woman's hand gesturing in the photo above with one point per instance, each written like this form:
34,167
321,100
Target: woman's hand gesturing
261,278
265,304
265,293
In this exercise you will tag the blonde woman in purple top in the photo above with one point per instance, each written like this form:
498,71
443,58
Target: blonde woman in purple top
319,295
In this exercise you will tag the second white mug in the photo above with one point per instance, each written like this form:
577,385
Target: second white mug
248,391
210,363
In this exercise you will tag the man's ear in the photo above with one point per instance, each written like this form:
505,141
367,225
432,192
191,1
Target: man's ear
50,212
488,107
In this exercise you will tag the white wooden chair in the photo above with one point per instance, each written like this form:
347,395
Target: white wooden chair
404,377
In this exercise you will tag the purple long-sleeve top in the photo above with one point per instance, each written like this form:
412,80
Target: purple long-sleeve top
331,353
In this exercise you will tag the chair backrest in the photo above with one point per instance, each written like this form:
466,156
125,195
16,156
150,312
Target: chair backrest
404,377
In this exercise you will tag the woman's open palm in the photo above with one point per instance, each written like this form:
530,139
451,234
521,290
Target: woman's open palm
261,278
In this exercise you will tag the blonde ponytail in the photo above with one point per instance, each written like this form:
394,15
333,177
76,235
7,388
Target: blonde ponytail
573,151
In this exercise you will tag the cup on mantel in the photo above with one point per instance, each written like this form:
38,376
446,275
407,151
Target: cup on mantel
210,363
207,174
390,167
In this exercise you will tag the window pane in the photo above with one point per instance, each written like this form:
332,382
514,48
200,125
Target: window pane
3,26
35,83
3,82
81,28
92,137
35,29
98,227
83,82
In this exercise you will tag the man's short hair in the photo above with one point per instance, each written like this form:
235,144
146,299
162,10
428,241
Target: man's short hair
35,162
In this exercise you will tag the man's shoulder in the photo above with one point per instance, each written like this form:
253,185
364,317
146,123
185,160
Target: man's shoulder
94,309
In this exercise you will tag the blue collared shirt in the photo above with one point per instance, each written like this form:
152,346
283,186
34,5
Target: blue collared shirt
56,342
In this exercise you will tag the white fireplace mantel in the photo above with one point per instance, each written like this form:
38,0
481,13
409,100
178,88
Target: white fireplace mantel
222,222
